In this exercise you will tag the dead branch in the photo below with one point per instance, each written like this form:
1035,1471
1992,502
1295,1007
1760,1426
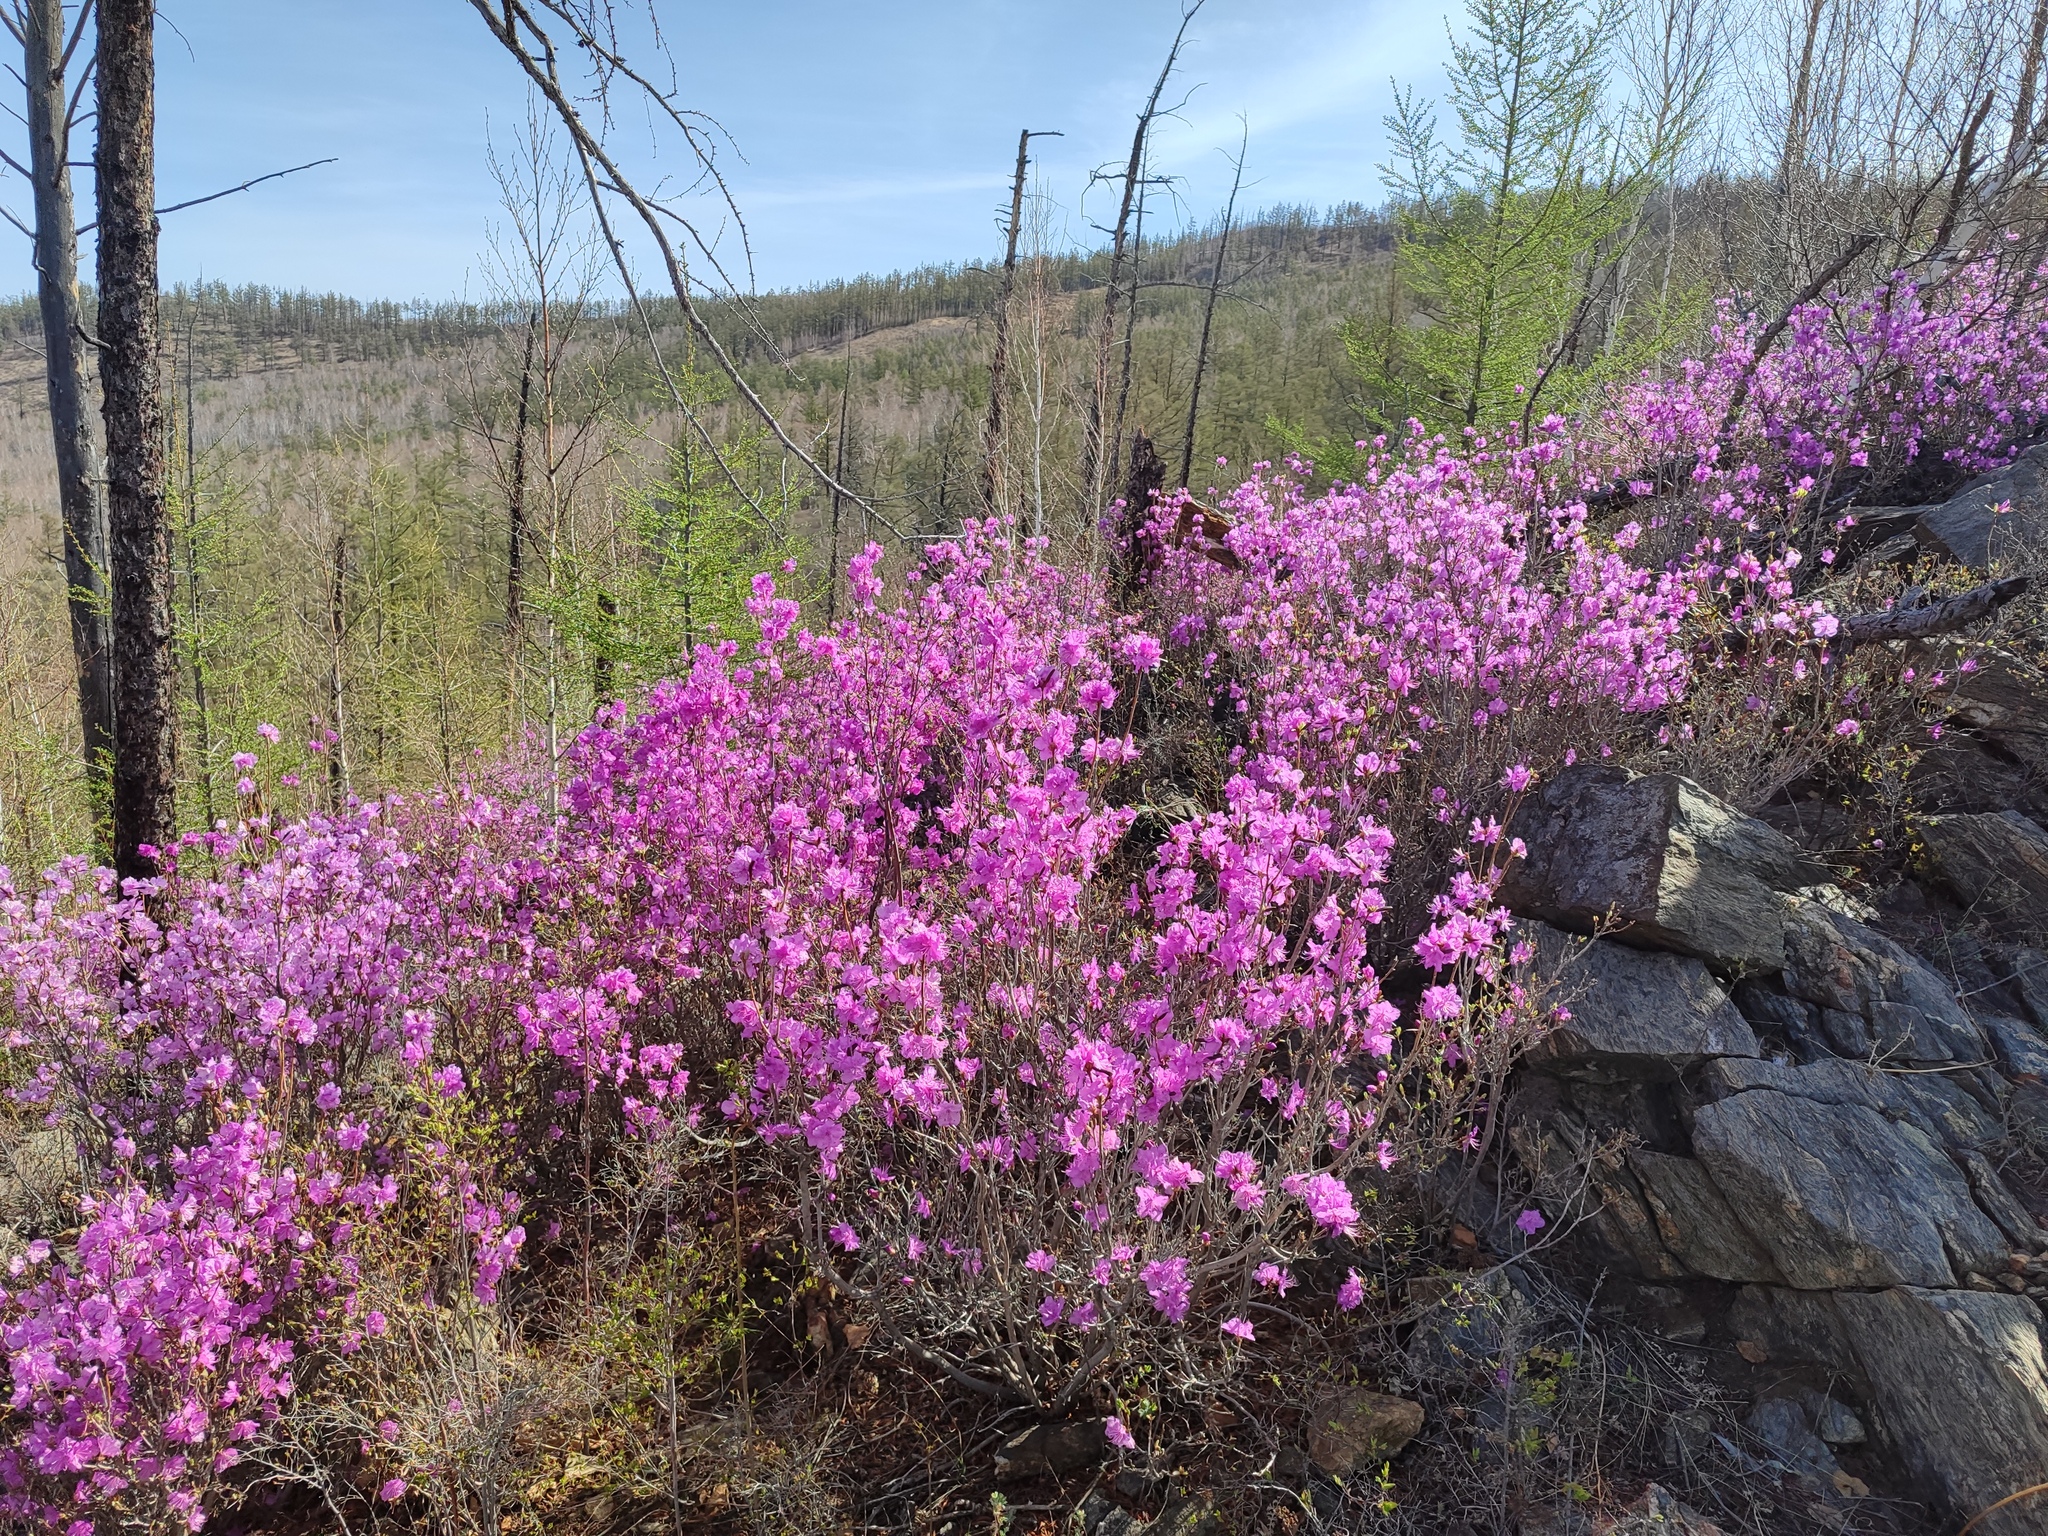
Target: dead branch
1942,618
533,48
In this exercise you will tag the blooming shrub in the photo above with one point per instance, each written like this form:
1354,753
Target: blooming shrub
1090,987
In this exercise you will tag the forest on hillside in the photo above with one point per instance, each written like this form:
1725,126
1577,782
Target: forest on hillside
921,904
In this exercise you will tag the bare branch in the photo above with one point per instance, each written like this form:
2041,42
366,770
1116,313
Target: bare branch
1776,328
544,73
1942,618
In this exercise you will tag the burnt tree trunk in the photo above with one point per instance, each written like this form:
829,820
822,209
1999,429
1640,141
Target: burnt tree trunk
1146,478
139,547
81,487
999,360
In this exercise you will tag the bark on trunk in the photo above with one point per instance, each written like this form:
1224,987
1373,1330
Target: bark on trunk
145,668
81,486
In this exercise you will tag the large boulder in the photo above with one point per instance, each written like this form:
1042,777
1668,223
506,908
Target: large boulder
1997,520
1695,1222
1839,1196
1933,1102
1995,864
1634,1013
1873,994
1666,863
1957,1381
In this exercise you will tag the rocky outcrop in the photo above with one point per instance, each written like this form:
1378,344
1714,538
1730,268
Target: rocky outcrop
1659,859
1761,1099
1997,518
1995,865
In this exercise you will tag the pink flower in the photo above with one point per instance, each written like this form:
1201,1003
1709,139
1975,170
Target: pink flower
1327,1198
844,1235
1166,1282
1119,1436
1849,728
1041,1262
1351,1294
392,1491
1274,1278
1238,1327
1530,1222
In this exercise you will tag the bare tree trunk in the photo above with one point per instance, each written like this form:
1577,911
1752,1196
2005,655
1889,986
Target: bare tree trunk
999,362
81,485
1094,460
145,665
1123,388
337,635
1147,478
838,480
196,651
515,618
1187,445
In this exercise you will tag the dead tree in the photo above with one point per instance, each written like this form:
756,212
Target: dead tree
38,25
139,545
1094,459
1187,444
999,360
515,498
521,28
54,76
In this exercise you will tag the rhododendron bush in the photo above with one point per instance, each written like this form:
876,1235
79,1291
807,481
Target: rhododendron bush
1091,988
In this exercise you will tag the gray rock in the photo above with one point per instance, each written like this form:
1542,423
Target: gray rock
2022,1053
2030,980
1957,1382
1995,864
1960,1383
1934,1102
1842,966
1636,1014
1996,1201
1785,1426
1848,1034
1970,527
1797,1023
1840,1196
1695,1222
1675,867
1834,1421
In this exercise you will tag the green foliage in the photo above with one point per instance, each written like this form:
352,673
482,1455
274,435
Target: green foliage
688,541
1510,295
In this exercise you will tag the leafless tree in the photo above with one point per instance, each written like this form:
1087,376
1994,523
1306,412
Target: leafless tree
47,55
139,535
999,357
1187,445
1096,450
538,36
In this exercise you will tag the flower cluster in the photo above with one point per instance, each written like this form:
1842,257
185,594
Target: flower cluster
1080,979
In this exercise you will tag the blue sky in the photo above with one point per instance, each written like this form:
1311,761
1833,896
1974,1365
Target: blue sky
876,134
